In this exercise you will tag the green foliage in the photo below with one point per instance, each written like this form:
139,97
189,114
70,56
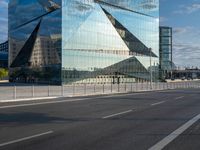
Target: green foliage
3,73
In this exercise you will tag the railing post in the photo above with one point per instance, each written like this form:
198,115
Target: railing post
118,88
15,92
48,90
136,86
33,91
94,88
62,90
73,86
85,89
142,86
111,88
131,86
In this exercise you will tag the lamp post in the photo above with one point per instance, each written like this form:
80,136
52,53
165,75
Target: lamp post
150,51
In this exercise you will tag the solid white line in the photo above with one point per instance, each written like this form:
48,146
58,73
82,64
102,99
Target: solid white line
119,95
27,99
124,112
160,145
26,138
61,101
41,103
179,97
158,103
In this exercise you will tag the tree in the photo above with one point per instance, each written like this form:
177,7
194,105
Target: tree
3,73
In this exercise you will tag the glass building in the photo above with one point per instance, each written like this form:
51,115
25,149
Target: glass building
166,64
4,55
83,41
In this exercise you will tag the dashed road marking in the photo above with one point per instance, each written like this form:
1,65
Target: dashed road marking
117,114
158,103
26,138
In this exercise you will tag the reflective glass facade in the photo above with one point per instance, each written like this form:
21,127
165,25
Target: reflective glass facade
35,41
84,41
4,55
166,63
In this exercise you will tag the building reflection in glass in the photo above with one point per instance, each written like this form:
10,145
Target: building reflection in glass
83,41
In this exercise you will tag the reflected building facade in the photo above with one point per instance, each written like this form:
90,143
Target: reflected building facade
166,63
84,41
4,55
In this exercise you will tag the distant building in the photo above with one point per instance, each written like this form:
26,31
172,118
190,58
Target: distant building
166,63
4,55
186,74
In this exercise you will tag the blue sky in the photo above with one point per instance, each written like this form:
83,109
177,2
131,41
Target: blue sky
182,15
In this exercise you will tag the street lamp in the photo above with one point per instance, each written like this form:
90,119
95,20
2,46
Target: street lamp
150,51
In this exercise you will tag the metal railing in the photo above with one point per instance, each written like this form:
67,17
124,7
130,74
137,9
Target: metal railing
37,91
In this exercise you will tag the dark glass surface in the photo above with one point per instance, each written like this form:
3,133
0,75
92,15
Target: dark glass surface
35,41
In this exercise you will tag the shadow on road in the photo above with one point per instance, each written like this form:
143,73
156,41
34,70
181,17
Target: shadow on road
31,118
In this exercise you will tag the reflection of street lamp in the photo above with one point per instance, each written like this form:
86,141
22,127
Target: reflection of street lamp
150,51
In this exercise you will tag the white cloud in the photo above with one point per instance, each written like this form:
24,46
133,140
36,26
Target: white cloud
163,20
186,46
183,30
185,55
3,4
183,9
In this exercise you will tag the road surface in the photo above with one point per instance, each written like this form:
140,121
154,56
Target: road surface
166,120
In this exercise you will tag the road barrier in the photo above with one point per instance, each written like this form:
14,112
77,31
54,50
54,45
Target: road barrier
38,91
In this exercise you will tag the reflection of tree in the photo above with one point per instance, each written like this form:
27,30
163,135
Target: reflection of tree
3,73
51,74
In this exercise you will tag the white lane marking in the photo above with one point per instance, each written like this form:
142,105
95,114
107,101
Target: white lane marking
41,103
160,145
61,101
179,97
122,95
27,99
154,104
124,112
26,138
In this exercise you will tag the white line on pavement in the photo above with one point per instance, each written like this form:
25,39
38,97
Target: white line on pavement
179,97
154,104
124,112
27,99
26,138
117,95
41,103
160,145
62,101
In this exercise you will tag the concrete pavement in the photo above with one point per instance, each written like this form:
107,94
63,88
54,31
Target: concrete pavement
131,121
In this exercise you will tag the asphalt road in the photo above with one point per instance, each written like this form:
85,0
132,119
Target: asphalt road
135,121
